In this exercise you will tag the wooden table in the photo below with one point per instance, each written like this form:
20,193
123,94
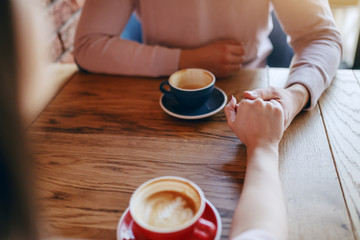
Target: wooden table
102,136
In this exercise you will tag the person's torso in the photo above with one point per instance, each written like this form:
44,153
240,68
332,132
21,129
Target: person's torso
193,23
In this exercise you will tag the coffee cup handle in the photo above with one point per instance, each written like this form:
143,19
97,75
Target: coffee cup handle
204,230
163,90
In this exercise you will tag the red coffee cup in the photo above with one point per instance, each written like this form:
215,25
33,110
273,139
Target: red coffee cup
170,208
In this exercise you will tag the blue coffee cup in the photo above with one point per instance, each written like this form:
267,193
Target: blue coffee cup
191,87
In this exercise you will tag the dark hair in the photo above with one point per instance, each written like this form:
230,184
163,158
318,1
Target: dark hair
15,211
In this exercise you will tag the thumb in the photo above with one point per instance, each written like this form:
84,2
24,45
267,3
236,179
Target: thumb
263,93
230,111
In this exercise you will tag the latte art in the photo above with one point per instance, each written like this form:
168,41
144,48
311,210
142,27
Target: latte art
167,209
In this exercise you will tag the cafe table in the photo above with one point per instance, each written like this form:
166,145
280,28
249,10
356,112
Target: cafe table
102,136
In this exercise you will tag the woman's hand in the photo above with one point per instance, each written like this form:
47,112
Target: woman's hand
257,123
222,58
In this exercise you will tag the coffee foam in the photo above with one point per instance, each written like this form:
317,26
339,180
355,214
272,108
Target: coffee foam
167,209
166,204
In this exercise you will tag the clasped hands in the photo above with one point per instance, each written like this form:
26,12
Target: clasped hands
263,115
224,58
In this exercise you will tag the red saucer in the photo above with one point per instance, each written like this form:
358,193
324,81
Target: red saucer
124,229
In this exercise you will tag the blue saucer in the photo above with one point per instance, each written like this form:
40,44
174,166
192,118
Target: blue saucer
213,105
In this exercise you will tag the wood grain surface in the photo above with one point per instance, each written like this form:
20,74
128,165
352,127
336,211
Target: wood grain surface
313,194
103,136
340,107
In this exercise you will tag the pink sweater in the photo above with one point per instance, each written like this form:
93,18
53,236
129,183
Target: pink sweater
171,25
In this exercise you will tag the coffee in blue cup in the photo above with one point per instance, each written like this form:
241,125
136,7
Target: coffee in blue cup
191,87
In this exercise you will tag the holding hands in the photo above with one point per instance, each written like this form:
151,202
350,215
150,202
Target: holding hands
257,123
225,57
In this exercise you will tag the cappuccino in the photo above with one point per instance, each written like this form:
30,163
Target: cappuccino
167,209
170,207
167,203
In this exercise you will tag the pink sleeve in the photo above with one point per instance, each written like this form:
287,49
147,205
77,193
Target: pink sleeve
315,40
98,47
255,234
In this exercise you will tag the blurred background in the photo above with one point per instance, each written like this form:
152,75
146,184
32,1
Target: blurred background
64,16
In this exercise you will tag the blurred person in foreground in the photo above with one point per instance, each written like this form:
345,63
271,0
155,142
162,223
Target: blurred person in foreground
220,36
21,60
261,212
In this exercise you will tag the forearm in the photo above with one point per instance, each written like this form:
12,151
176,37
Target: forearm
261,204
316,43
300,96
314,67
113,55
98,47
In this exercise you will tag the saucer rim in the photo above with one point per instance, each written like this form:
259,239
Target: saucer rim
193,117
218,220
216,212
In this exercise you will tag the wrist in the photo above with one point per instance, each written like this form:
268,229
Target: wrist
271,148
300,95
263,156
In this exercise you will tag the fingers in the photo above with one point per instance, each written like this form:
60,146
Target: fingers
275,98
230,64
233,55
263,93
252,95
235,48
275,103
233,59
245,102
230,111
259,105
222,57
246,106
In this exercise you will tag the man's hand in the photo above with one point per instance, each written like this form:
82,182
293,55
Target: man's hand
292,99
222,58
